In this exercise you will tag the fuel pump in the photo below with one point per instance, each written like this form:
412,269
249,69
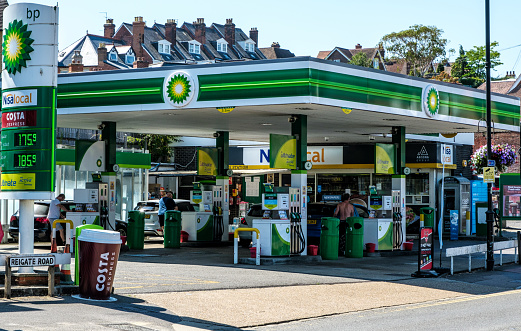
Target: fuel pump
274,228
91,205
218,219
298,242
397,220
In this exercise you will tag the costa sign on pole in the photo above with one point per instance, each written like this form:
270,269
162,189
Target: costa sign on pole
29,80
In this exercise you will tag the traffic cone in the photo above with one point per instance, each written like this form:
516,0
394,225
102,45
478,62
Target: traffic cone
66,270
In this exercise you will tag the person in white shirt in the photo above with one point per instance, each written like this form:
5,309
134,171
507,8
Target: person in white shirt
55,209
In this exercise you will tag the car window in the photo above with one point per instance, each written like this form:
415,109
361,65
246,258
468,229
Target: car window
40,209
185,206
362,212
147,206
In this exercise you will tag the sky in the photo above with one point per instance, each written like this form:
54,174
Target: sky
306,27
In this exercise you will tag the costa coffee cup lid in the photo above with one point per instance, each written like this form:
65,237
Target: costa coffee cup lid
100,236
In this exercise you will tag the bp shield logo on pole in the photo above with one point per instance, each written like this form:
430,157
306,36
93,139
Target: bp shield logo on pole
179,89
16,46
430,100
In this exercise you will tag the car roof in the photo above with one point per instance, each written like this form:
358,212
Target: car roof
157,201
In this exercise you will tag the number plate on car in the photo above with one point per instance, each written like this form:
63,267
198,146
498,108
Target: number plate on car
312,221
147,216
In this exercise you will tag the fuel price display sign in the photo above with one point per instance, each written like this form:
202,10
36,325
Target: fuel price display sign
29,76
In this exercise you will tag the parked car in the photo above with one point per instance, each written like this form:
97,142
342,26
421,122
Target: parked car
151,207
42,227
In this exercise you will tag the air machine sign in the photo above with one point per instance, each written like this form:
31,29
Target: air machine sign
29,49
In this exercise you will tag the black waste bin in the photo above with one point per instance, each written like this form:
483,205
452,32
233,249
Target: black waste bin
329,238
355,237
172,232
136,229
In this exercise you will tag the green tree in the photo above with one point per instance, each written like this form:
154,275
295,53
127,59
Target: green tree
361,59
157,144
469,67
460,67
477,59
419,45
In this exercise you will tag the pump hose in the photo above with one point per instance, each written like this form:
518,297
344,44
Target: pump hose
298,233
397,230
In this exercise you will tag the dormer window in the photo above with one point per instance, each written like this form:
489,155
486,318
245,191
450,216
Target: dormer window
113,56
249,47
163,46
376,63
222,45
194,48
129,58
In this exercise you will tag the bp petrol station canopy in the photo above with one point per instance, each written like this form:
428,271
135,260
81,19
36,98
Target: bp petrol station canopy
344,103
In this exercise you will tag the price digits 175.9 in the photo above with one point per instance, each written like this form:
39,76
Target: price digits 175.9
24,139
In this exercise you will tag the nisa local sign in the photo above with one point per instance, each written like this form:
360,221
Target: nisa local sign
20,98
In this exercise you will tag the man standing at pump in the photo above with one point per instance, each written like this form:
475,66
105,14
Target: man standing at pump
165,203
54,213
344,209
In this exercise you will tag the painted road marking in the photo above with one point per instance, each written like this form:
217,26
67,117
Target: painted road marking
457,300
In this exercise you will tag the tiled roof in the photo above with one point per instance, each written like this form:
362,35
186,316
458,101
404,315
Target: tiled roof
322,54
272,53
88,47
502,86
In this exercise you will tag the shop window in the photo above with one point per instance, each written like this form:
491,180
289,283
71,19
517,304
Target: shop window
417,184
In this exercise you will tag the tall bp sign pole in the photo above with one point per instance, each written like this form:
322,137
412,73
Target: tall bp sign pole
29,80
490,213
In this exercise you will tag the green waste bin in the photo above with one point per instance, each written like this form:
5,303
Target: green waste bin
329,238
172,233
355,237
136,229
428,216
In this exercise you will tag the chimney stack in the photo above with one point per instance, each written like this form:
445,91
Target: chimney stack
138,35
170,31
109,28
200,31
229,32
77,62
358,46
102,54
140,63
254,35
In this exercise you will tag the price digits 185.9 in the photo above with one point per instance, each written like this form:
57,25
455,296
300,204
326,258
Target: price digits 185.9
24,160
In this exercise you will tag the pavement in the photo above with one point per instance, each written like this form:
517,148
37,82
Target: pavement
199,287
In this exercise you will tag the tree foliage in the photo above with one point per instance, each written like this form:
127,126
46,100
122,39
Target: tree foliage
361,59
419,45
158,145
469,67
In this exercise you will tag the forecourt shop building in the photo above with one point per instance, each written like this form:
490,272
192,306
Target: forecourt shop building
304,97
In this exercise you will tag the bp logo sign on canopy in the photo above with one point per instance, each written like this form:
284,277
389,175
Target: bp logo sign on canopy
430,100
16,46
179,89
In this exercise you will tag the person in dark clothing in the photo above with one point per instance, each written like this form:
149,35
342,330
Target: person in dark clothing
169,205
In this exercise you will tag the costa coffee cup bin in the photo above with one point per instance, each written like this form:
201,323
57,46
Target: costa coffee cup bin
172,233
99,252
79,229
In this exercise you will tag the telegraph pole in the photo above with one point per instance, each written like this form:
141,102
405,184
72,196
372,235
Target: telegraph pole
490,213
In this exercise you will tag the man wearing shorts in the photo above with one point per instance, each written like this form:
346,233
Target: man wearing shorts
54,213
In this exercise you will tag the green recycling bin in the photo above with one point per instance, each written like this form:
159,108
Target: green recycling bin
329,238
428,216
172,232
136,229
355,237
